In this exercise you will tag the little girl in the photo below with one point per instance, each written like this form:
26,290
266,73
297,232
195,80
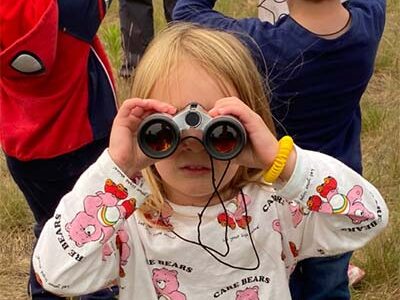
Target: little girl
203,228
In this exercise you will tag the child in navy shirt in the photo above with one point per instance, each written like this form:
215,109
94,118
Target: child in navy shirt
318,61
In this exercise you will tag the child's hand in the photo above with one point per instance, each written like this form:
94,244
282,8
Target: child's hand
124,149
262,146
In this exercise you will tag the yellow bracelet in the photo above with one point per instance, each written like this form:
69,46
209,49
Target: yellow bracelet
285,147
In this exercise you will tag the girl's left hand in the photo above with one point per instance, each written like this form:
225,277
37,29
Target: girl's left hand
262,146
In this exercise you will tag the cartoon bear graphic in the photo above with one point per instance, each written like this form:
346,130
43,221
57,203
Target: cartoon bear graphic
101,212
248,294
236,213
333,202
166,284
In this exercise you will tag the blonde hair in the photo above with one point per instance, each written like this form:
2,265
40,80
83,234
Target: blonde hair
224,57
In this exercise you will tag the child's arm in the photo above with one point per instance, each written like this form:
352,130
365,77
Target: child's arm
257,34
345,210
374,14
77,251
201,12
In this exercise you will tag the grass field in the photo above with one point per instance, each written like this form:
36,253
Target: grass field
381,159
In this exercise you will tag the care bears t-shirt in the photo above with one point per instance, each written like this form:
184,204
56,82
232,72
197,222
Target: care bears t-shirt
246,250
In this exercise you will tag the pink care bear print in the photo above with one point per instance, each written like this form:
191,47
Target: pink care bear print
331,201
166,284
96,222
101,212
250,293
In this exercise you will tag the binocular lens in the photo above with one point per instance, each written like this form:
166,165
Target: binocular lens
224,138
158,138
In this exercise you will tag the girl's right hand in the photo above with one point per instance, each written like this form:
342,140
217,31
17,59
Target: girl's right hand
124,149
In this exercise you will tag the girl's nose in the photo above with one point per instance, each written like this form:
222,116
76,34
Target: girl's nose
192,142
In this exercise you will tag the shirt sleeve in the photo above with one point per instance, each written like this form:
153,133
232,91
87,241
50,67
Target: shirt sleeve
373,15
82,18
202,12
341,210
82,246
252,31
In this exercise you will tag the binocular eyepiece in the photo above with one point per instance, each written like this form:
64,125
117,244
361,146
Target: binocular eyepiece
223,137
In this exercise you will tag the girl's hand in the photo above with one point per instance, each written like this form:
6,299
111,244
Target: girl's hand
262,146
124,149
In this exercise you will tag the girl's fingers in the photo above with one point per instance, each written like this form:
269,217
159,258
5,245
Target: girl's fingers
137,106
230,105
134,110
235,107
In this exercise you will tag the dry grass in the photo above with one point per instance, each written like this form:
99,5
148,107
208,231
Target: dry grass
16,237
14,262
380,140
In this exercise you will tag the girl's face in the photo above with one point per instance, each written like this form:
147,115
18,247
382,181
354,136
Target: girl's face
187,175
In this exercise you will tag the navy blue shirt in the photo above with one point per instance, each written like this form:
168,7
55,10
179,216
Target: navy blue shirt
316,84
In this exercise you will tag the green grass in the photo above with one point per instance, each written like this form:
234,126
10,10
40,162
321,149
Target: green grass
111,37
14,212
388,60
381,157
381,160
373,118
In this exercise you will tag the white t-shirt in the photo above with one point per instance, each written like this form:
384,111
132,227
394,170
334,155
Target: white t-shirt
270,10
89,243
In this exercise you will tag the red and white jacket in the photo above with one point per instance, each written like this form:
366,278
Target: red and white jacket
56,87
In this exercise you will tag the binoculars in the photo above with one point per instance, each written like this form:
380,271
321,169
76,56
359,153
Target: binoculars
223,137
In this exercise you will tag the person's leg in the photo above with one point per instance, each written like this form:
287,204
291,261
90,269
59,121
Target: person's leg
168,8
321,279
35,191
136,20
44,183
